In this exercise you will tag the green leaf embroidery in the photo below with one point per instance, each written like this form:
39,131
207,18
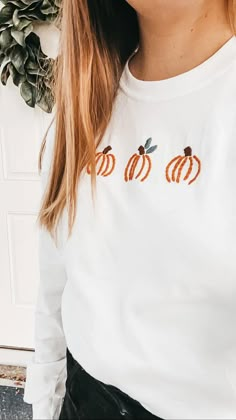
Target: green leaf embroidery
148,143
151,149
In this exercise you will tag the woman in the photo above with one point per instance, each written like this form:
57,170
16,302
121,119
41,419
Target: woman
139,297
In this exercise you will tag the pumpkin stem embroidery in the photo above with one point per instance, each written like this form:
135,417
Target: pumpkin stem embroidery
175,167
107,164
142,157
107,149
141,150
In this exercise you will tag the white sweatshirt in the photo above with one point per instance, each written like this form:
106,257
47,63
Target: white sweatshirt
144,292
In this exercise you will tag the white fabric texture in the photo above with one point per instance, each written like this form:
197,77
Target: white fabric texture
46,373
148,301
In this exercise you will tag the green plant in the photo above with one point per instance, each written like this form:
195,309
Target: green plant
20,49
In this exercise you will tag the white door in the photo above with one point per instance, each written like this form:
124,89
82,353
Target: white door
21,132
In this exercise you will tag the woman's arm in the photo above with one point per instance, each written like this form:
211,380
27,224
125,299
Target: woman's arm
46,374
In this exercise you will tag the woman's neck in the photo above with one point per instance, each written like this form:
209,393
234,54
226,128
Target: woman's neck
175,39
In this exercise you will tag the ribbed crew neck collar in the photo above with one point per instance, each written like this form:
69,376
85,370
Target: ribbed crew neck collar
183,83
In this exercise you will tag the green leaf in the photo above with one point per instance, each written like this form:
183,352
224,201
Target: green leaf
5,74
48,7
21,4
28,29
19,36
28,93
17,3
46,101
2,58
151,149
33,41
16,77
8,50
32,15
148,143
30,52
6,13
15,19
18,56
32,78
4,26
19,23
33,68
30,2
5,39
31,65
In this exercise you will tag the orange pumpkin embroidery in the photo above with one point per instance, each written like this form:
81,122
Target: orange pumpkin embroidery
104,161
145,159
175,167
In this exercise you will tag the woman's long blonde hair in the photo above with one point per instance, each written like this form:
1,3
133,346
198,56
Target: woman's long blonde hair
96,38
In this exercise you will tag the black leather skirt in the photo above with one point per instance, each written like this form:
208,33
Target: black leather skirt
86,398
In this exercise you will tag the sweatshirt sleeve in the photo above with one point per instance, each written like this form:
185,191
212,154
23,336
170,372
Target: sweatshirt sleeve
46,373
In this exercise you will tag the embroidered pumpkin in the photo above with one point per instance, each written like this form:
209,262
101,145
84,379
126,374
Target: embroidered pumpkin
105,162
144,159
176,166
